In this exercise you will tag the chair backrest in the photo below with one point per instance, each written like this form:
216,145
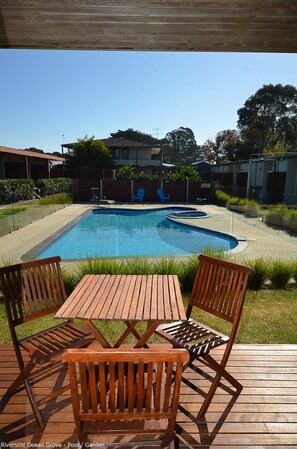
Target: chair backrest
32,289
219,288
95,192
125,384
140,193
160,193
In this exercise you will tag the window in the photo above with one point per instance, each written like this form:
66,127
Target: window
120,153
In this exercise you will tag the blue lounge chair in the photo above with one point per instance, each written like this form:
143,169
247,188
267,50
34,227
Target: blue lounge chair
162,196
139,195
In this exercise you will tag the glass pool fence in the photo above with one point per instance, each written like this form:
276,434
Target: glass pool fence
15,216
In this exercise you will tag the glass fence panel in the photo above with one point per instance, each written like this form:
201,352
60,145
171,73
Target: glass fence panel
14,217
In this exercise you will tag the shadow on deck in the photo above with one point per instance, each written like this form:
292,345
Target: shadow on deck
263,416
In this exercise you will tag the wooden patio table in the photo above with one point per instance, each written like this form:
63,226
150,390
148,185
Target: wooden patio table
126,298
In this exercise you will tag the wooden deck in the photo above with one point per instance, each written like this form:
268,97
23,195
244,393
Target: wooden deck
263,416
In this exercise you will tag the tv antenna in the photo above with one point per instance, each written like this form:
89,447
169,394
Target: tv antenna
157,131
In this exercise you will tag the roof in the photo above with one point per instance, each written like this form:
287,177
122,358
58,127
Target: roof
30,154
174,25
117,142
202,162
262,158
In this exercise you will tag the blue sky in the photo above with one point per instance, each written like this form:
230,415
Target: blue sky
51,97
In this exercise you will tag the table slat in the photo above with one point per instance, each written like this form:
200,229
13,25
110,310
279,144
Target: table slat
125,297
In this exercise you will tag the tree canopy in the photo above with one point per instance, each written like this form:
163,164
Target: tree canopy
223,147
180,145
137,136
269,118
33,149
89,152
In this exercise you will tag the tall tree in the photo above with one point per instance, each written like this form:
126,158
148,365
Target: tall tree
89,153
137,136
180,145
270,116
222,148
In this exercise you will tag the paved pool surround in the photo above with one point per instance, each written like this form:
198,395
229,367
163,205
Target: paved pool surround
260,239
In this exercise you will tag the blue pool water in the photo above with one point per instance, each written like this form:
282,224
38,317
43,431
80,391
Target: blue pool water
119,232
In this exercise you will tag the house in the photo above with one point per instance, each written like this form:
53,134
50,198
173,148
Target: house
269,179
144,157
24,164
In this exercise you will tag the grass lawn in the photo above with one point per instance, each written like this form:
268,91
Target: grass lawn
269,316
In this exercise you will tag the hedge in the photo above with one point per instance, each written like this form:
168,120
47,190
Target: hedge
13,190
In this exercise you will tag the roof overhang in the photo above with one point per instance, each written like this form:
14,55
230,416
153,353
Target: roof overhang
32,154
174,25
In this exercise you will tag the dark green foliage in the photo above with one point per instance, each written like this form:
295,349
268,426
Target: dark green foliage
184,173
127,172
12,190
269,118
70,281
179,145
185,269
54,185
136,136
89,153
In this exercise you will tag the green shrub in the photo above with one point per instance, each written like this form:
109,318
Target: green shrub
233,201
259,274
12,190
187,173
70,280
188,272
54,185
280,273
167,265
138,265
277,271
127,172
279,209
189,268
294,270
98,266
222,197
58,198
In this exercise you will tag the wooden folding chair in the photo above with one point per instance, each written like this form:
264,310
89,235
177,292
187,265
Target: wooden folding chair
32,290
125,392
219,289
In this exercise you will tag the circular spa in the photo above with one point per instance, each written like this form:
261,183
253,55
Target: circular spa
190,214
114,232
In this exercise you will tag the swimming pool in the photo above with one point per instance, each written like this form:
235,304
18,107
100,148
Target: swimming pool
126,232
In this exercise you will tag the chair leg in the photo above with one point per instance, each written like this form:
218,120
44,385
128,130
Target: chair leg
21,377
221,368
209,396
33,403
221,372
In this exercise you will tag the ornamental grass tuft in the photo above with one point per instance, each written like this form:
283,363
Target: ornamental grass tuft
280,273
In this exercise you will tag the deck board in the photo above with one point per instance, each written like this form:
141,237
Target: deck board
263,416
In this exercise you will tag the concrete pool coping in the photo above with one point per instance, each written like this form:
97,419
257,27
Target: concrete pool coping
262,240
